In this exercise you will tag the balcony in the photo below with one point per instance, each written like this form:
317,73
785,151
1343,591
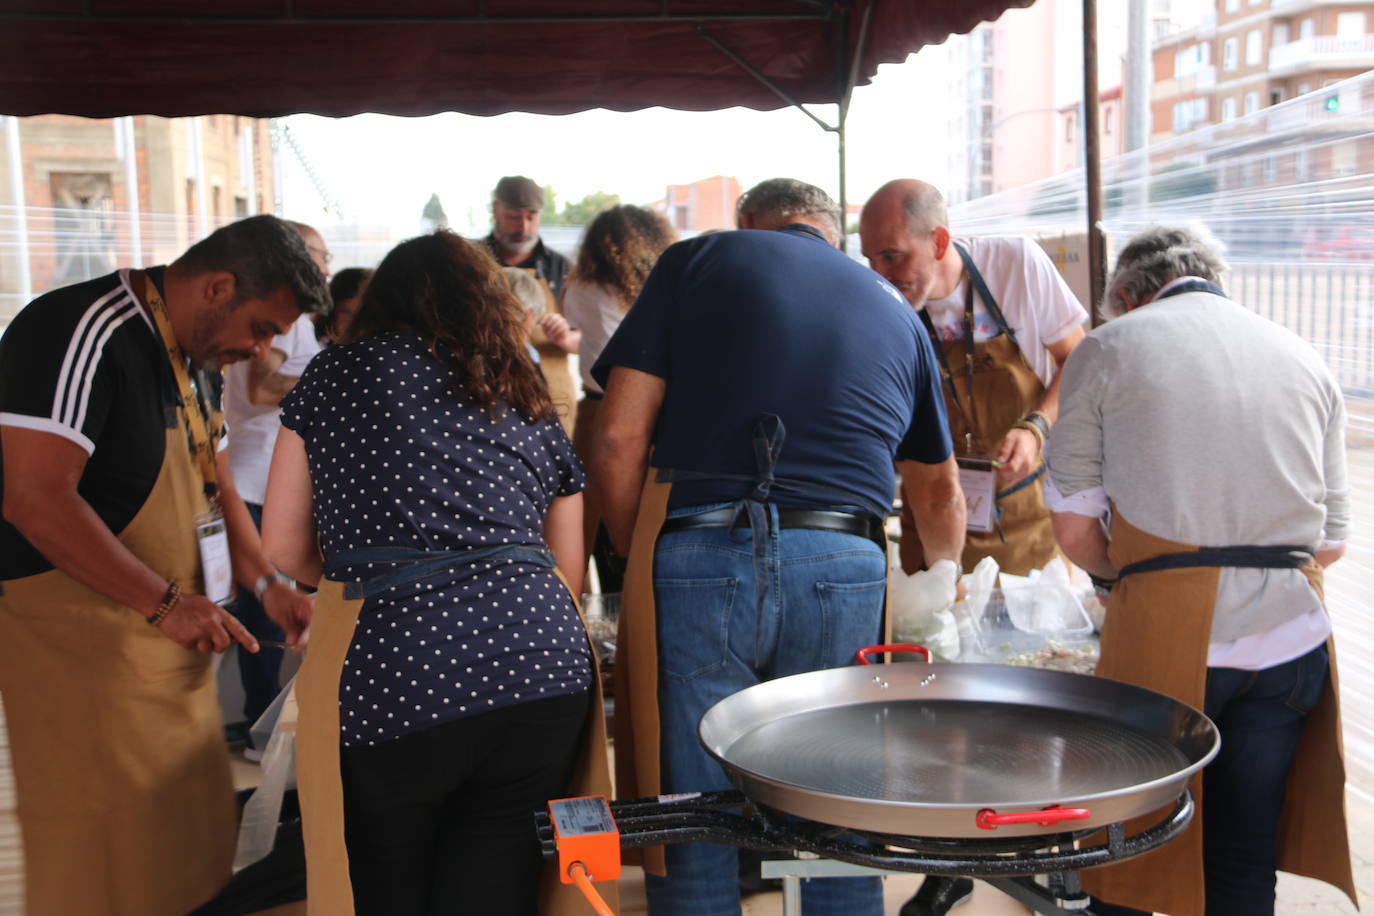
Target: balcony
1324,51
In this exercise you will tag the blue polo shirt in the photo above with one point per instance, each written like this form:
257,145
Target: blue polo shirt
750,322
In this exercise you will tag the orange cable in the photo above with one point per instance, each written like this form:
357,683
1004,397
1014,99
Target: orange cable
578,872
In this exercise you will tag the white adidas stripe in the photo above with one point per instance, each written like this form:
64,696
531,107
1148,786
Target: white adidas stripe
83,355
127,311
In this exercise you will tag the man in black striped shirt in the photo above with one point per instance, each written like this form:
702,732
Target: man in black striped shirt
113,486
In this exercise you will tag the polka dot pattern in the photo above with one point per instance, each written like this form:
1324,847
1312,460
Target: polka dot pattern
397,458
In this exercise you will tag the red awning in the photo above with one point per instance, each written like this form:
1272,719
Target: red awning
263,58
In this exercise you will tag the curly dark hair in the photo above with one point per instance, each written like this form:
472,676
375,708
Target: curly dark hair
453,294
620,247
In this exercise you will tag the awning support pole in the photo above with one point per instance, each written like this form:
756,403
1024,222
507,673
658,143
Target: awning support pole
847,75
1092,164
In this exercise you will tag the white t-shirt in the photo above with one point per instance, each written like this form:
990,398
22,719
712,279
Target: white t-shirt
254,426
596,312
1036,301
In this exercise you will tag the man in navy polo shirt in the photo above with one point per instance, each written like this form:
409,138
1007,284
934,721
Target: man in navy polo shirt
775,380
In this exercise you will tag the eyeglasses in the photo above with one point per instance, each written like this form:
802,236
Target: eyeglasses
322,252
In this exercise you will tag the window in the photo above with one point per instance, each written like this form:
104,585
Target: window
1188,113
1254,47
84,225
1232,5
1068,128
1276,96
1350,25
1228,108
1189,60
1280,34
1251,102
1107,119
1306,28
1229,50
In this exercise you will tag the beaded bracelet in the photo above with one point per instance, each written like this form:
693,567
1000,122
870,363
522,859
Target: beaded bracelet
1033,428
169,601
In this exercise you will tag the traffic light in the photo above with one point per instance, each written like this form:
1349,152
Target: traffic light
1333,102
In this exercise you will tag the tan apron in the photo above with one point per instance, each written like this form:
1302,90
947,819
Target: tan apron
124,793
587,409
1156,635
984,396
318,780
1005,389
553,364
637,730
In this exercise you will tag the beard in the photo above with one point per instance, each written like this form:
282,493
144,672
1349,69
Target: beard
203,350
516,244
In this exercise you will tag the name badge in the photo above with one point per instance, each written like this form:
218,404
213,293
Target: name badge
979,481
215,565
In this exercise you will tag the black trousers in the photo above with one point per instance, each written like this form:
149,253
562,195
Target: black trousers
441,822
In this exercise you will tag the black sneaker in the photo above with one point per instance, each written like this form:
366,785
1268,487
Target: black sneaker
938,895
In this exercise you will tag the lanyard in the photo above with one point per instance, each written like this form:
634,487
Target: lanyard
202,440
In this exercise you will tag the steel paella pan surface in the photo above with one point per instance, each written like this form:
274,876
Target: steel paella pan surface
924,750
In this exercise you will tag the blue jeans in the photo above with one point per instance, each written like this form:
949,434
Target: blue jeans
1261,715
821,601
259,673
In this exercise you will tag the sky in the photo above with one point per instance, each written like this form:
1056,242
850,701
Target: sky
382,169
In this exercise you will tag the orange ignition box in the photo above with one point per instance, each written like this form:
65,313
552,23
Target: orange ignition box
585,832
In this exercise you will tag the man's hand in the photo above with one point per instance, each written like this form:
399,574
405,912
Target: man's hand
291,610
559,332
198,623
1018,455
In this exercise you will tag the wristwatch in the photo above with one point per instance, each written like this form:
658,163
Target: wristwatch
276,577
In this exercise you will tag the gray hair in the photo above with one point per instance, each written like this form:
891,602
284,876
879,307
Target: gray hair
925,210
781,199
527,290
1153,258
265,254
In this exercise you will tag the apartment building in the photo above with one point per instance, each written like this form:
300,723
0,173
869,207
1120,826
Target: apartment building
1017,86
701,205
1246,55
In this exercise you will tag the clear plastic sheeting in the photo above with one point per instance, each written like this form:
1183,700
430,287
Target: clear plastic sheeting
1286,190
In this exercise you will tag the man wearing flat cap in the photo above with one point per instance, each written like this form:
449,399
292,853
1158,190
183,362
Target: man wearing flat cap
516,207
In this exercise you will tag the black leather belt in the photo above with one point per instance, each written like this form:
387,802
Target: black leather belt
858,523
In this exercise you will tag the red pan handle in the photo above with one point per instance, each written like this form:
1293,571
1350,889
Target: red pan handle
862,655
989,819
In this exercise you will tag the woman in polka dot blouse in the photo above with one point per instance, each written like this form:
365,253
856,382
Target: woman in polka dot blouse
425,456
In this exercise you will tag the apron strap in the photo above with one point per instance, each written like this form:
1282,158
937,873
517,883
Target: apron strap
980,285
1024,482
1243,556
412,565
767,439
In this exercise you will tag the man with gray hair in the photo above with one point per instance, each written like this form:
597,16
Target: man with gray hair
1002,321
1199,465
778,202
517,208
770,381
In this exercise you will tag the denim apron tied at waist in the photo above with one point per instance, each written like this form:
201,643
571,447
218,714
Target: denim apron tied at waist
412,565
768,437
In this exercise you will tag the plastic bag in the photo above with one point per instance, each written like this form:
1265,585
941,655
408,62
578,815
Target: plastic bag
968,614
1045,603
921,604
276,731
